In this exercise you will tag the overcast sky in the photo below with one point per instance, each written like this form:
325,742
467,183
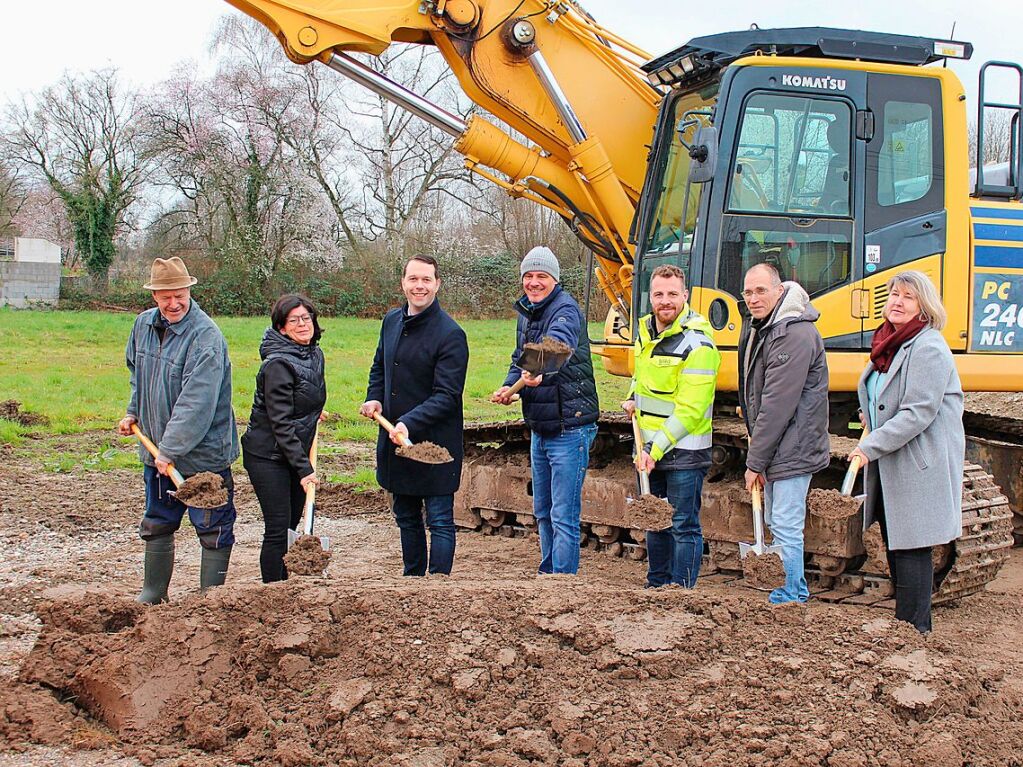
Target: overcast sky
146,38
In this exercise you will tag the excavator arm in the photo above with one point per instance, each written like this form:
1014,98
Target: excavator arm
543,67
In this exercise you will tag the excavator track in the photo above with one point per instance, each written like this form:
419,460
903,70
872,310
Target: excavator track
843,563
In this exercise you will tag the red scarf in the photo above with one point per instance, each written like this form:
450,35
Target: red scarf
887,341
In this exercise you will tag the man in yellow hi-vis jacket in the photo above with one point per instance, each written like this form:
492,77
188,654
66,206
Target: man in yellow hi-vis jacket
674,376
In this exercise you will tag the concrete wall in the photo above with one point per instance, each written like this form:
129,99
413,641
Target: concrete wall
35,250
24,284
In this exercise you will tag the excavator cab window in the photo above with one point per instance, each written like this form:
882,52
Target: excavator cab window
793,156
789,201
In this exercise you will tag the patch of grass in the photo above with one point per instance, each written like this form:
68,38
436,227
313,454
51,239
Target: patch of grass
105,458
363,479
70,367
12,433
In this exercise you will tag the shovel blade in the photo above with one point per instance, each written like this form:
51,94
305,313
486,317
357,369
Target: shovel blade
293,535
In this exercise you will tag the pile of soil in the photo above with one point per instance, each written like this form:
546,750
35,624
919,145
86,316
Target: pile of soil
204,490
549,345
648,512
306,556
555,671
425,452
831,504
10,410
763,572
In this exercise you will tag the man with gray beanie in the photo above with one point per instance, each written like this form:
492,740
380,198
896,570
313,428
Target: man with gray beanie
560,408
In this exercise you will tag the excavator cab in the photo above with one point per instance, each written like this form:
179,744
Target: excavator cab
830,166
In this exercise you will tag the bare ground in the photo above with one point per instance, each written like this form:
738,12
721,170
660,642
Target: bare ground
490,666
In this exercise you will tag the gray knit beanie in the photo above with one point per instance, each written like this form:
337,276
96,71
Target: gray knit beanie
541,259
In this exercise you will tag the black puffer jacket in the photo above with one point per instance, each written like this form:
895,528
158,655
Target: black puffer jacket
566,399
290,394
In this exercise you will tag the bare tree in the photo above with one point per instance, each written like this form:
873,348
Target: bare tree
81,137
13,196
997,137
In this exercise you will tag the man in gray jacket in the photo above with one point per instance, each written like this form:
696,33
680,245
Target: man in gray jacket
181,400
783,390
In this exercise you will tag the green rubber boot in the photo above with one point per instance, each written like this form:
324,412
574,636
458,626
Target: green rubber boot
213,567
159,564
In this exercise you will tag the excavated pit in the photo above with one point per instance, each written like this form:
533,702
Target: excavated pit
204,490
425,452
648,512
307,556
486,671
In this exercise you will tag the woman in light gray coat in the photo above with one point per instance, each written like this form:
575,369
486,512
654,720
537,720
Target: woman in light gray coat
911,399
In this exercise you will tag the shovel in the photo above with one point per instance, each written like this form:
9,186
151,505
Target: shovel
644,476
537,360
175,475
854,466
758,547
309,510
407,444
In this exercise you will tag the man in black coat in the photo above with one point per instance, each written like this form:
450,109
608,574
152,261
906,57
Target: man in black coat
416,382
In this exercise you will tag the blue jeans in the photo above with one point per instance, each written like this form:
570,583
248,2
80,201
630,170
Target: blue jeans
559,467
674,555
785,514
163,515
440,518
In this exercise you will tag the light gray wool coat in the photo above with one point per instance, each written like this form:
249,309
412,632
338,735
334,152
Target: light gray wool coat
917,450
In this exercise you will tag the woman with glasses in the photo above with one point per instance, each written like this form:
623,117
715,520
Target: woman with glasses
287,404
912,401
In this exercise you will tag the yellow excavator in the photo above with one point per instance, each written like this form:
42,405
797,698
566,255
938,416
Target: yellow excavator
837,155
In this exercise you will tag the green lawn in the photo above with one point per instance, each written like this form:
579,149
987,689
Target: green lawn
69,366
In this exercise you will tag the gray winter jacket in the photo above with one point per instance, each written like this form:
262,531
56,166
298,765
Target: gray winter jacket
783,389
181,391
917,450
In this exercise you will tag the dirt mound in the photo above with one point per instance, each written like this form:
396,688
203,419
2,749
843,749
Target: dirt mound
764,571
204,490
831,504
341,500
10,410
306,556
552,671
425,452
648,512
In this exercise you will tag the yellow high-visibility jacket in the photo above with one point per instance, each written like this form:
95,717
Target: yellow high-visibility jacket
674,378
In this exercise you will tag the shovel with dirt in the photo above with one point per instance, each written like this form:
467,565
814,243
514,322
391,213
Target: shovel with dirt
204,490
764,569
648,512
539,359
309,510
424,452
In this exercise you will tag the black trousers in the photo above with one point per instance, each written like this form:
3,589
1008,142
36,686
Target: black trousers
912,572
281,499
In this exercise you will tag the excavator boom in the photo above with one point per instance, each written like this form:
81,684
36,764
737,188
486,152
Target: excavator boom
543,67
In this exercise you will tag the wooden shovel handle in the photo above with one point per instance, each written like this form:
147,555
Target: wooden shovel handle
637,435
310,490
516,387
154,451
758,505
389,427
854,467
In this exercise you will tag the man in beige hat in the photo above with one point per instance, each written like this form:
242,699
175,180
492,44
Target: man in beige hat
181,400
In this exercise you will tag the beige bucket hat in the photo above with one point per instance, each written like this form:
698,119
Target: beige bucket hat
169,274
